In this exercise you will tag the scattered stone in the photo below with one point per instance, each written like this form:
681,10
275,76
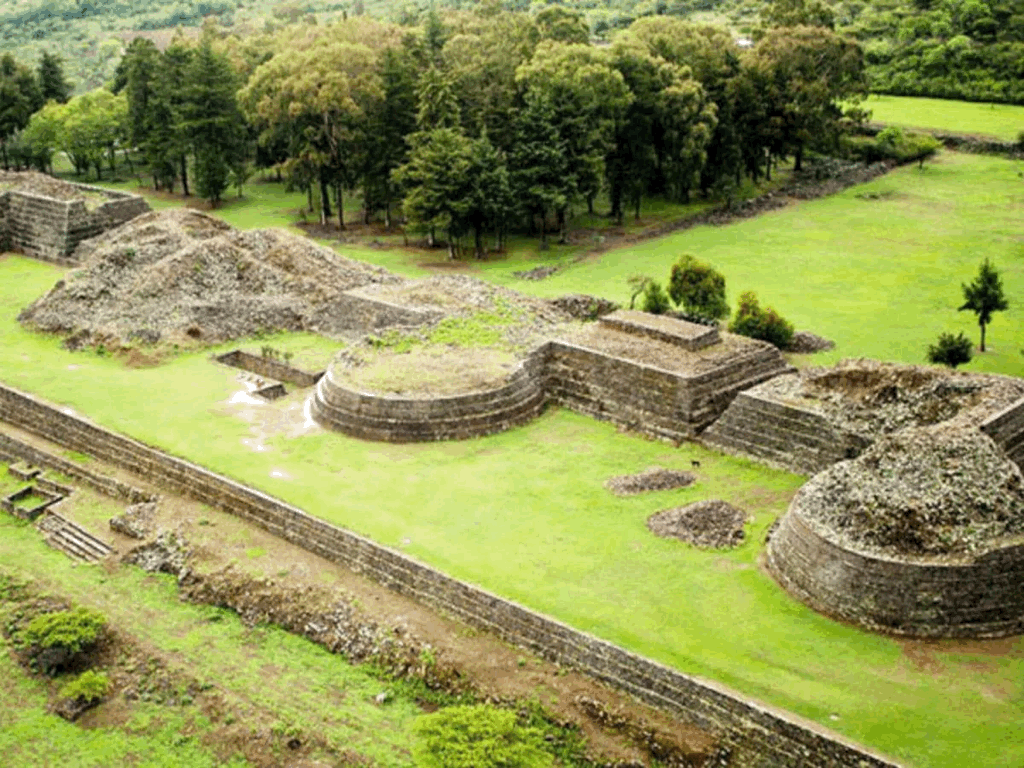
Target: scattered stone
939,490
136,521
537,273
582,307
805,343
651,479
710,524
169,553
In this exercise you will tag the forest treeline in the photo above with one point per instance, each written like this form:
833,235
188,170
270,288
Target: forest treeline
476,123
966,49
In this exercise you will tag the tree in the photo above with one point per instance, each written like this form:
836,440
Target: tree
655,300
950,350
538,166
757,323
19,98
699,288
52,84
477,736
984,296
212,120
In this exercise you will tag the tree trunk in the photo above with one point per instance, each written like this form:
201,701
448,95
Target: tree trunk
184,174
982,336
309,198
341,207
451,246
3,149
478,241
768,168
563,233
325,201
128,159
387,215
543,230
590,204
636,202
798,164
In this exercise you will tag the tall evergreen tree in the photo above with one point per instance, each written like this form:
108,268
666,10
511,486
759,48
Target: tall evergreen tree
984,296
212,120
52,84
19,98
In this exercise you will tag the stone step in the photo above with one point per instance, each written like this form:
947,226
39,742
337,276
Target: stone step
70,538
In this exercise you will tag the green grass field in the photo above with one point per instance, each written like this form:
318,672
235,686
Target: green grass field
1003,121
524,513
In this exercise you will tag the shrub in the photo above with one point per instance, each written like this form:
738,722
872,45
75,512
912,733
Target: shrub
88,688
477,736
950,350
54,639
655,299
698,288
765,324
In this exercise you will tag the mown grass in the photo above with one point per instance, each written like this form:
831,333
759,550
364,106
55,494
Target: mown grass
1002,121
525,514
259,671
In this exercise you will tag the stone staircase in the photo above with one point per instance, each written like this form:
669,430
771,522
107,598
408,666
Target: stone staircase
71,539
781,435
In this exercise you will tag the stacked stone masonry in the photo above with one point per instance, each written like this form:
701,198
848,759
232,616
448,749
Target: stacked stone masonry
268,368
1006,428
407,420
781,434
679,333
51,229
757,735
968,598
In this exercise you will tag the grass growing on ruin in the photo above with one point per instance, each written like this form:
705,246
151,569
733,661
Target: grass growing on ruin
1002,121
259,672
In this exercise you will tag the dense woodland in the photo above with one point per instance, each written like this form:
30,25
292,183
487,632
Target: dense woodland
968,49
472,123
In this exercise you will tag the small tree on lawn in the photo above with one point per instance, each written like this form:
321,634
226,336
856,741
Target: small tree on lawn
761,323
699,288
950,350
655,299
984,296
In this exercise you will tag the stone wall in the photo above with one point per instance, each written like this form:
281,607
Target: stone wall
647,399
780,434
408,420
51,229
268,368
970,598
758,736
1006,428
679,333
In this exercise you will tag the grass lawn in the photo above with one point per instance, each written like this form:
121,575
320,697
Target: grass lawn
1003,121
524,513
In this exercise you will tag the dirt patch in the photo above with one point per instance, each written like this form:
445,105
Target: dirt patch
710,524
537,273
651,479
428,371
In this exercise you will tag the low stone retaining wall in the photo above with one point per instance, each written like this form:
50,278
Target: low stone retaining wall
758,736
1006,428
396,419
51,229
971,598
268,368
780,434
16,450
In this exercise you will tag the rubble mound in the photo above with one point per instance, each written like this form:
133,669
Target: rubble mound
137,520
805,342
939,490
584,307
709,524
651,479
168,553
181,273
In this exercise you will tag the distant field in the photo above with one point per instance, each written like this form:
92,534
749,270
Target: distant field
1003,121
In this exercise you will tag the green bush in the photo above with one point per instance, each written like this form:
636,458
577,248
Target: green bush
699,288
477,736
655,299
54,639
765,324
87,688
950,350
892,143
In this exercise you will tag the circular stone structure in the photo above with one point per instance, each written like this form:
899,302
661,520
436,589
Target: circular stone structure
472,397
921,535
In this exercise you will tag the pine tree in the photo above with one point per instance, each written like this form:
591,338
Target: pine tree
19,98
52,85
984,296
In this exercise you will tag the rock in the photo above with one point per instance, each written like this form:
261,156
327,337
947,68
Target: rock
168,554
136,522
710,524
805,342
651,479
583,307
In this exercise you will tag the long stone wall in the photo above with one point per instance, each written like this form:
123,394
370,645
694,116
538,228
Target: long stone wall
972,598
51,229
407,420
758,736
1006,428
780,434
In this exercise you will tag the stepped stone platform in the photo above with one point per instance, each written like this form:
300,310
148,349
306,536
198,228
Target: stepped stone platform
680,333
71,539
50,227
807,421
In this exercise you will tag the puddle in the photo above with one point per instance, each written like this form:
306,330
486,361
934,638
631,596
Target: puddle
280,473
254,444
